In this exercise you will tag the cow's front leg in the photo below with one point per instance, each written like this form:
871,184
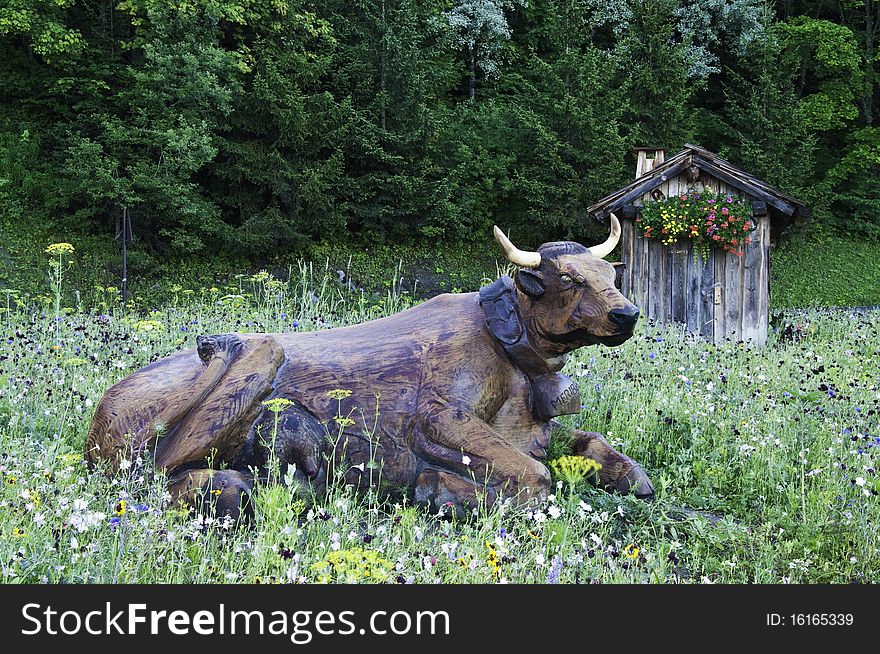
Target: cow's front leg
619,472
459,441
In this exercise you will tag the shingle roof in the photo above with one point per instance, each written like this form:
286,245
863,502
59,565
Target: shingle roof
707,162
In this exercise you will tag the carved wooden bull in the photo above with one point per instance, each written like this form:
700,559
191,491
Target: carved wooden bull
467,386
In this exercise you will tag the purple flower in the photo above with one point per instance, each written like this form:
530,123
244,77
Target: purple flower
114,522
555,570
295,324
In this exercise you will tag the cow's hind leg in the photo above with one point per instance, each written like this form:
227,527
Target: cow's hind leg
619,472
216,428
215,493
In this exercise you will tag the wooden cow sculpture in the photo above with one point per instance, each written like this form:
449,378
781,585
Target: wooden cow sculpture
467,386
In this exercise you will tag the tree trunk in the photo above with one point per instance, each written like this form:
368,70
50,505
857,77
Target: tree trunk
868,98
382,113
472,86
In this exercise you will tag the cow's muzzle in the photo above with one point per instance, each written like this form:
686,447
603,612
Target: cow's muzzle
624,316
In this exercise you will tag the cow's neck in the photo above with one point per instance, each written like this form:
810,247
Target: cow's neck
553,394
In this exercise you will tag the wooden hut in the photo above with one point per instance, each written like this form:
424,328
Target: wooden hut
723,295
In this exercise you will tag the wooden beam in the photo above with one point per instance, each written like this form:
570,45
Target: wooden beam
639,190
739,183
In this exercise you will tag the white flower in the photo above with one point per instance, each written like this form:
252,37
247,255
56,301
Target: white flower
125,464
466,460
860,481
554,511
539,559
79,504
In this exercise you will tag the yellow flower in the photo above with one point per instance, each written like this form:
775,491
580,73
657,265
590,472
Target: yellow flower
119,509
58,249
343,421
339,393
277,404
149,326
632,551
18,532
572,469
351,565
492,560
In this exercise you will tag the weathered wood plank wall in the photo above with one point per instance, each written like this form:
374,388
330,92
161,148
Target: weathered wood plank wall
670,284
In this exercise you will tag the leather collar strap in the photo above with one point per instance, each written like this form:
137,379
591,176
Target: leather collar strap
553,394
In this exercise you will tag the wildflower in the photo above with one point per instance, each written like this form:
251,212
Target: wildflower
339,393
119,509
343,421
18,532
277,404
631,551
466,460
59,249
352,565
555,570
492,560
573,469
149,326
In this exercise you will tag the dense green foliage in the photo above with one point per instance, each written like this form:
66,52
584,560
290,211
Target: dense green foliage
831,272
262,127
764,461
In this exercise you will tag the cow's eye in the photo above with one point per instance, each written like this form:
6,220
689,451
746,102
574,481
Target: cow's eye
566,278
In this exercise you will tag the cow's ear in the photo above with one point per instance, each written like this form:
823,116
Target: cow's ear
530,282
619,270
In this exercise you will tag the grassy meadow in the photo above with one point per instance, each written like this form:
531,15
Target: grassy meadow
763,459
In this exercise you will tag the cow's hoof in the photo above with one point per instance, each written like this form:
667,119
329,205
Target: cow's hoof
450,493
636,481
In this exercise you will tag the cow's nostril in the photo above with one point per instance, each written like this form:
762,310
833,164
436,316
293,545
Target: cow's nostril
624,316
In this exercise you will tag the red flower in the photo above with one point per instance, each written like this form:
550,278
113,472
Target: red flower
716,237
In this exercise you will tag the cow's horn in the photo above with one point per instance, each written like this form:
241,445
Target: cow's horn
604,249
514,254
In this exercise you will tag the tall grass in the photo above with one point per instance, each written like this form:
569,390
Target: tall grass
763,460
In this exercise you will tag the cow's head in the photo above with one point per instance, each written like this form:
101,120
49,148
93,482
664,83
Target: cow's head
567,294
